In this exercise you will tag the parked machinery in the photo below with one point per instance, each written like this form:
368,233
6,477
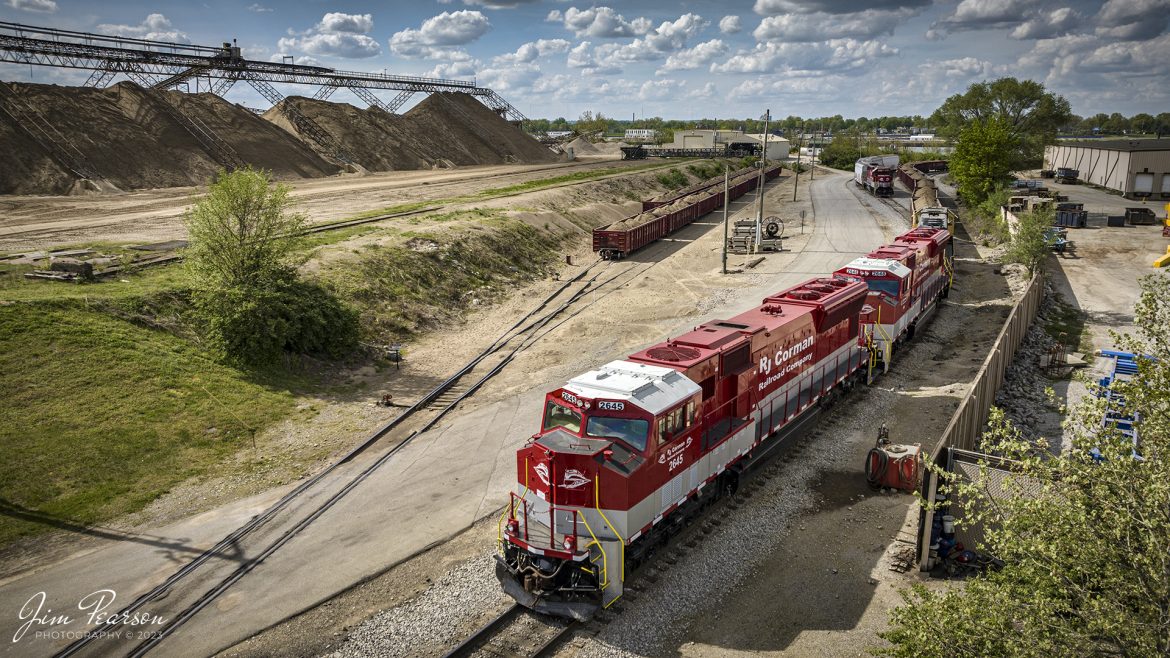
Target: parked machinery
628,453
876,174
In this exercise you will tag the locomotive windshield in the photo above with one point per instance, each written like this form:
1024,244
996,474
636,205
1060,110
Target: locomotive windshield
885,286
557,416
631,431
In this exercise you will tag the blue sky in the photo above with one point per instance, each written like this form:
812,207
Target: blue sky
690,59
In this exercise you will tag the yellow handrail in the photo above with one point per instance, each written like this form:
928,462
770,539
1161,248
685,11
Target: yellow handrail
622,565
510,510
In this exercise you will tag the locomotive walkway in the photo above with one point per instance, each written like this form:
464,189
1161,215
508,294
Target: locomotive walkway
433,489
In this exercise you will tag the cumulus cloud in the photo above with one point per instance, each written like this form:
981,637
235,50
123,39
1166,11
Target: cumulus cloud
454,69
259,8
533,50
978,15
963,67
494,4
775,7
694,58
1131,20
730,24
336,35
655,90
510,78
806,59
36,6
599,23
1047,24
436,36
155,27
820,26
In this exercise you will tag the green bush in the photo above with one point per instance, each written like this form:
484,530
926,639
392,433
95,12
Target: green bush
257,326
674,179
705,169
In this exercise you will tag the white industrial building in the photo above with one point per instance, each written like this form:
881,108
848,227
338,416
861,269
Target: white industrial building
640,133
1138,168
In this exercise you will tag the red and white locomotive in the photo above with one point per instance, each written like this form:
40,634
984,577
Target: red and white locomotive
628,452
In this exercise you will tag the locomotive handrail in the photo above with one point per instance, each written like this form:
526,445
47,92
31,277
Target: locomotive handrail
621,540
511,511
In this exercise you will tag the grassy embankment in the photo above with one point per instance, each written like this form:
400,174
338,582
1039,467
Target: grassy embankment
110,400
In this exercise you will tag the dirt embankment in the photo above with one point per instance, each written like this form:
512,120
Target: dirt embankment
127,137
444,129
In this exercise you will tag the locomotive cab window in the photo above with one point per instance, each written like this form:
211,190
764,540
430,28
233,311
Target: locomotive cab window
886,286
631,431
557,416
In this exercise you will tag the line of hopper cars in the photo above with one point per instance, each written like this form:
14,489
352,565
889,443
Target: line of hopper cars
668,213
925,207
626,454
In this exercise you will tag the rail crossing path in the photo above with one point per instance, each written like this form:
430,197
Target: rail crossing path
434,486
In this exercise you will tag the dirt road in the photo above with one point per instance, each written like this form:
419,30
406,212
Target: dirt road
42,222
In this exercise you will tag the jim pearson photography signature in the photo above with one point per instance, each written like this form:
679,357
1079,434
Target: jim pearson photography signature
93,610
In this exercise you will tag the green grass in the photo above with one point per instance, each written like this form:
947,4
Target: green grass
566,178
1066,324
673,179
102,415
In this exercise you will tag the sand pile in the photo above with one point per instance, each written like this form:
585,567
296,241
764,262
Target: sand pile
127,137
582,146
609,148
444,129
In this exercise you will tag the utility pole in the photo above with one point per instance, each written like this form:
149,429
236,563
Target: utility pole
726,193
796,181
763,166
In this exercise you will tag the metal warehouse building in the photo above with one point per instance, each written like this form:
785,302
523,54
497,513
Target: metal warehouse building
1139,169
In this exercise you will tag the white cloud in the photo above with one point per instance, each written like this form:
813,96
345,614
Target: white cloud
259,8
511,78
806,59
1133,19
154,27
454,28
657,43
978,15
963,67
1048,24
694,58
464,69
349,23
599,22
775,7
533,50
730,25
494,4
653,90
821,26
336,35
36,6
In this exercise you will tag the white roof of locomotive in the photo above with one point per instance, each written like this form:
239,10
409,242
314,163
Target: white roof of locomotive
653,388
880,264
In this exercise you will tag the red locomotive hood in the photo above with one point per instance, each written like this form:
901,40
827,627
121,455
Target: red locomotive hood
561,467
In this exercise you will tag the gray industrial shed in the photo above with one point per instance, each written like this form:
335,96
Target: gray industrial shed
1138,168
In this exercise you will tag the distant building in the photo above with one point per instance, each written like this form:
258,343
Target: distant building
778,147
640,133
1138,168
922,137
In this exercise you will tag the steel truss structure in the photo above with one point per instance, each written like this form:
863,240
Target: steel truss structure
161,65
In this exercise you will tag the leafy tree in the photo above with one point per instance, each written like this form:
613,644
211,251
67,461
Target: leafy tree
1143,123
1029,244
841,153
1029,113
241,233
1087,572
983,159
241,253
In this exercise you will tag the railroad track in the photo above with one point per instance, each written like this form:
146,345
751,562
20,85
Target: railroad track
515,632
187,591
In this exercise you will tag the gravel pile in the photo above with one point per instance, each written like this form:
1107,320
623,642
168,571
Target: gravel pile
439,617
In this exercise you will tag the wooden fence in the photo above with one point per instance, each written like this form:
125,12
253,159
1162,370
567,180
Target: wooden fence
970,417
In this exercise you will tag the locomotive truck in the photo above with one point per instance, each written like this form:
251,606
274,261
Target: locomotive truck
628,452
